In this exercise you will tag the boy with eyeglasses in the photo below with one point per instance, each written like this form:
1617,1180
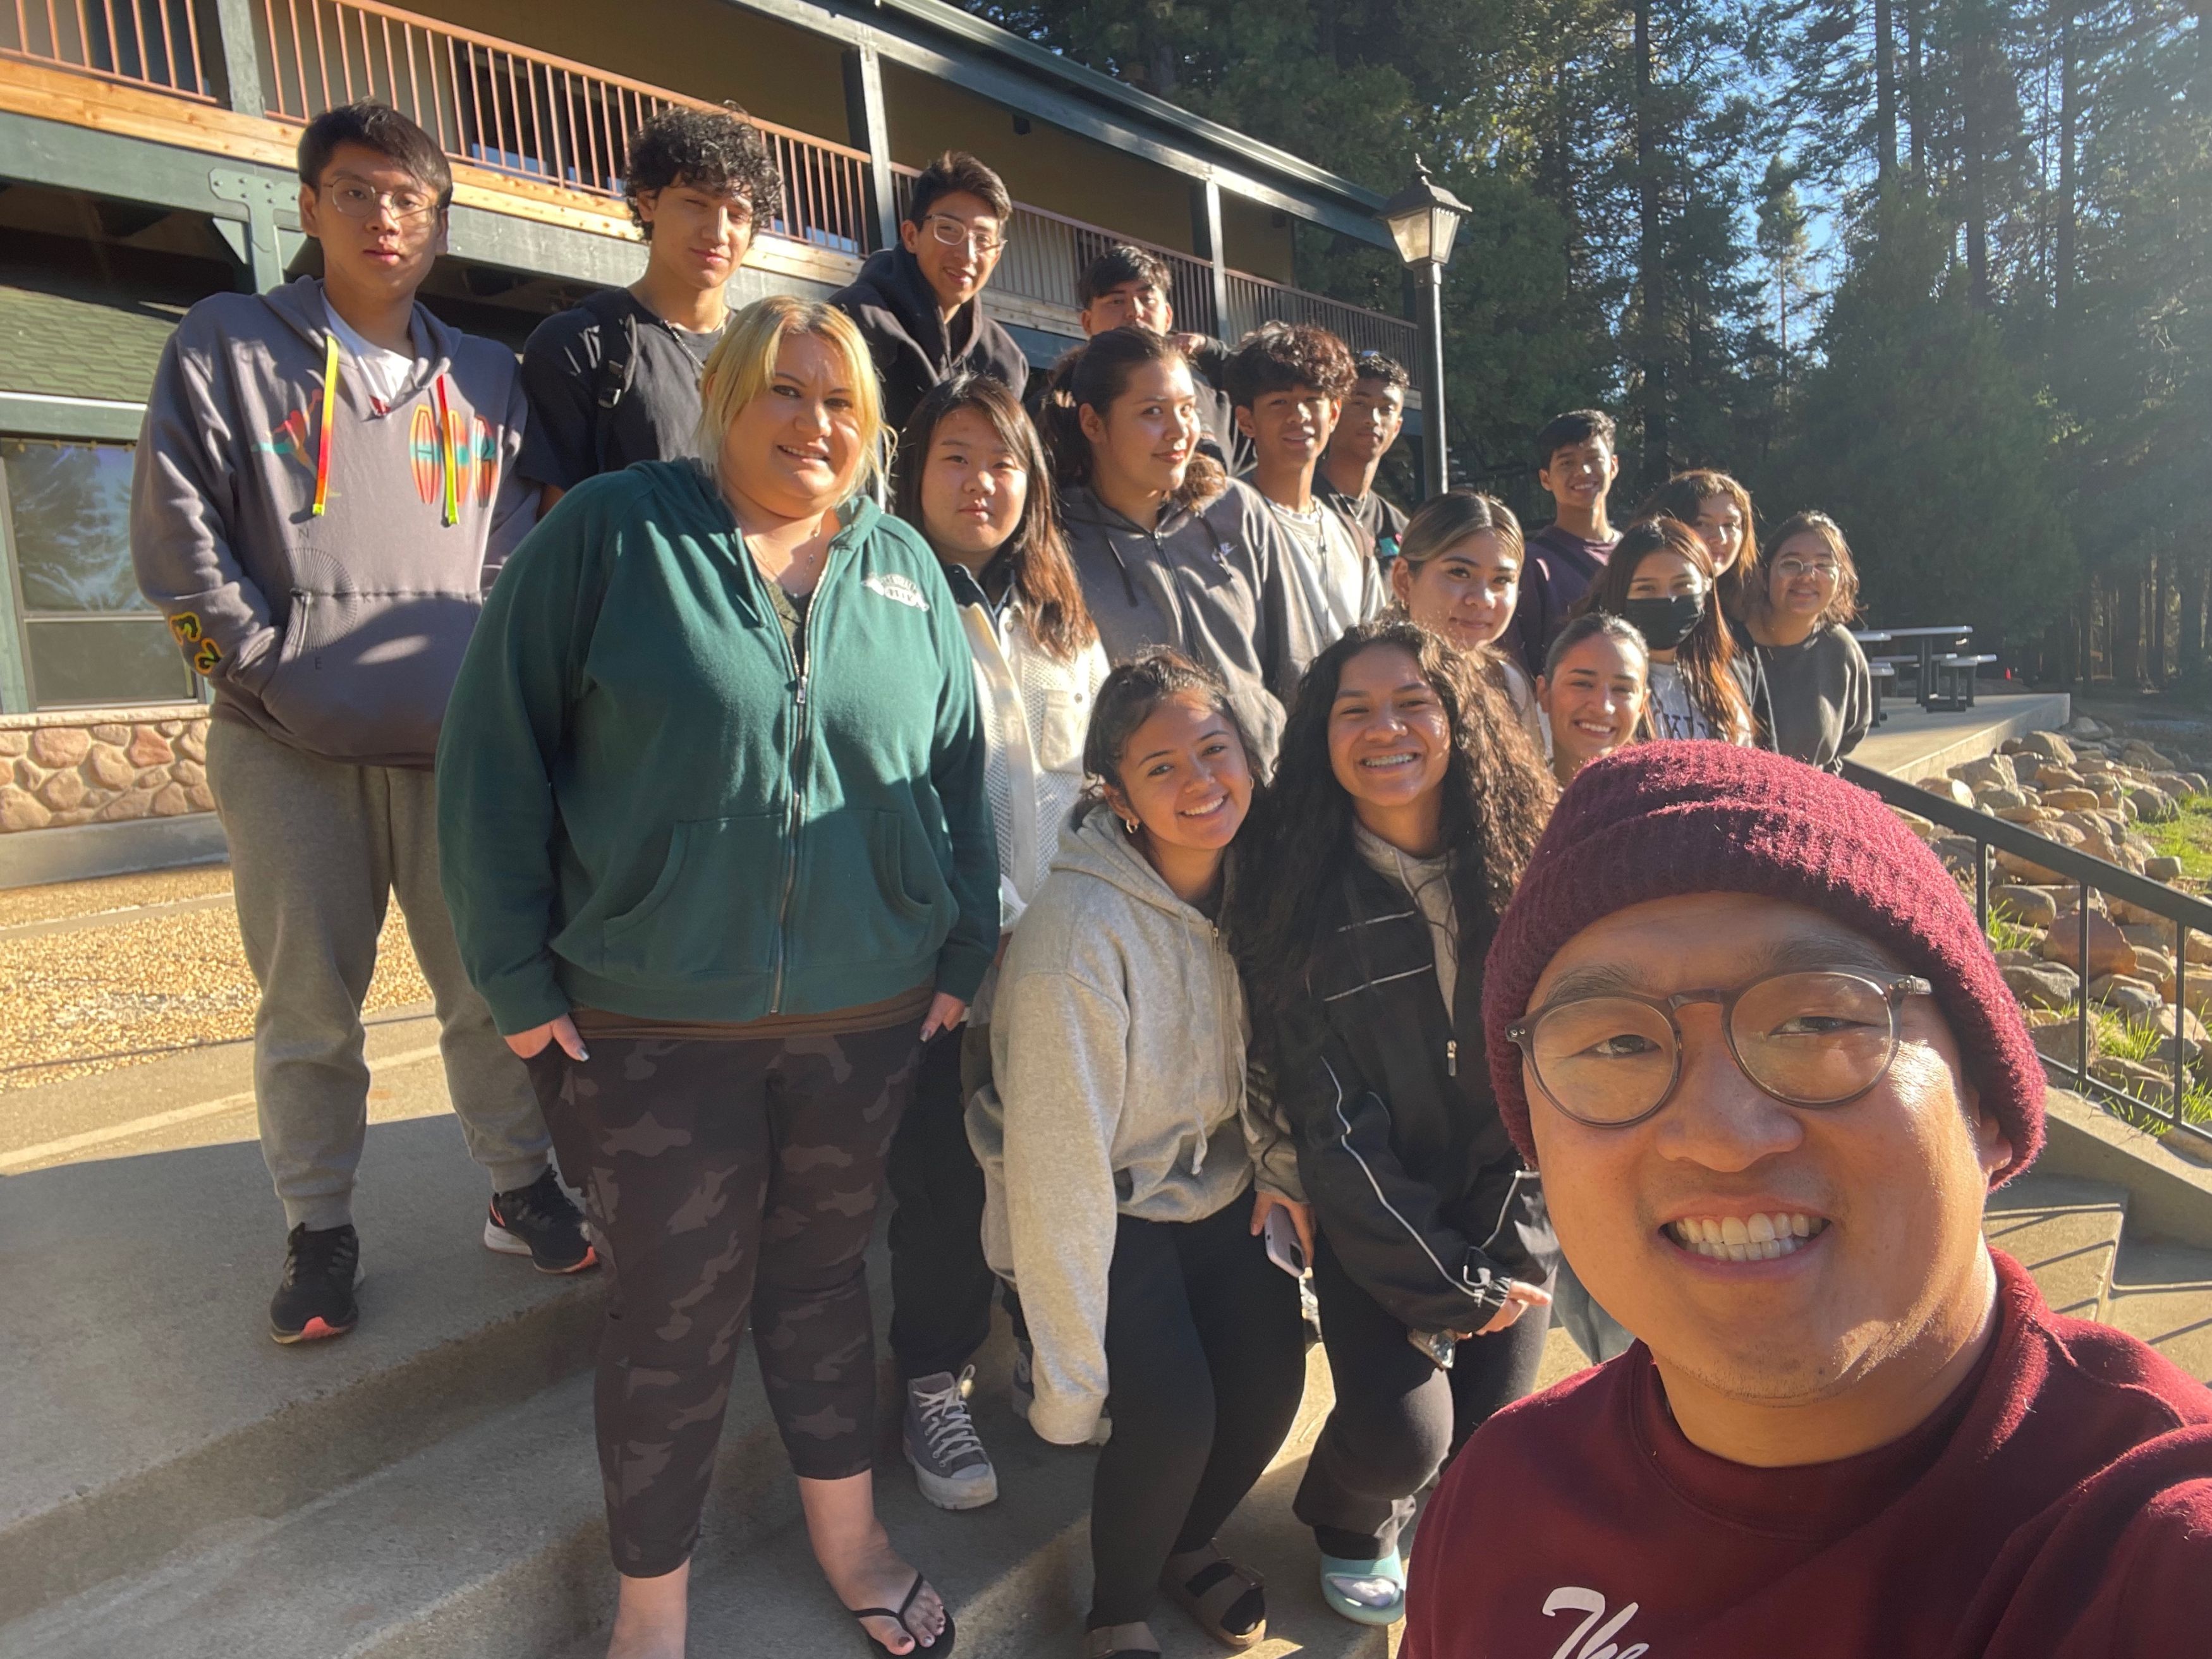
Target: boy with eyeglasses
1747,1028
616,379
325,488
919,305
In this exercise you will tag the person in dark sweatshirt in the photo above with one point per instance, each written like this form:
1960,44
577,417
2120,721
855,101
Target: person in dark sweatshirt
720,858
1748,1028
1576,465
324,486
616,379
1405,802
1373,415
919,305
1798,615
1171,551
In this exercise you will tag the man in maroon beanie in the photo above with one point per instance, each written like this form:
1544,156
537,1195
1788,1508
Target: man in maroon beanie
1745,1024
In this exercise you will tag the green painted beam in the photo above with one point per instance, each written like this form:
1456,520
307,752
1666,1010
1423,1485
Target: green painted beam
30,415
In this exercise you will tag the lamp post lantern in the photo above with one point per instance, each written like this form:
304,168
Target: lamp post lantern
1424,220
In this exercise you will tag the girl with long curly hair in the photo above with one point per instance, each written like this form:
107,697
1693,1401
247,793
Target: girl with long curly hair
1406,800
1661,579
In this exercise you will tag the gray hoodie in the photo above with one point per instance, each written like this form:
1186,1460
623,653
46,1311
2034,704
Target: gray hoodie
1117,1049
1212,578
339,631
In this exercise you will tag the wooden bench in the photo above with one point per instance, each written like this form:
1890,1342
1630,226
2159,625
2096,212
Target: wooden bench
1883,675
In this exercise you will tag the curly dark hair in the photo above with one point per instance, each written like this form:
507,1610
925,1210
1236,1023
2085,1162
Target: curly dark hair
1373,366
1284,356
1497,794
719,150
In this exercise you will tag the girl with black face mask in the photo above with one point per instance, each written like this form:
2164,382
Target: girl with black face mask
1660,579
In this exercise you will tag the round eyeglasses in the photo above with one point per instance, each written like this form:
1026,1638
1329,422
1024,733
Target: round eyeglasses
357,201
953,231
1814,1039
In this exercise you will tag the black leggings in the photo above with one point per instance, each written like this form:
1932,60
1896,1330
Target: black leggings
1205,1361
727,1177
1396,1417
940,1285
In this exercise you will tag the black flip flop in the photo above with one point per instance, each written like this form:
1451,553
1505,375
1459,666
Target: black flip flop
936,1649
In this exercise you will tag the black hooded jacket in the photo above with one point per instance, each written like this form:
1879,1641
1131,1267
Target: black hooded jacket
1401,1148
913,347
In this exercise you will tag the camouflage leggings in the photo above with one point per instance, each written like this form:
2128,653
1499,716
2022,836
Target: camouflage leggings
724,1174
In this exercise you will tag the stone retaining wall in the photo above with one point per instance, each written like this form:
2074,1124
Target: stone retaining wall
103,766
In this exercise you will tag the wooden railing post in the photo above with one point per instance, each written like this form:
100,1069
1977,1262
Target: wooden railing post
869,128
1205,241
241,62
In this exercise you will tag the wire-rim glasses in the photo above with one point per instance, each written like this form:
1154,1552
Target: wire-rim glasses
953,231
1813,1038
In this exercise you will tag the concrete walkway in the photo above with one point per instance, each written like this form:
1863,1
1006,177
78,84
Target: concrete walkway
1913,743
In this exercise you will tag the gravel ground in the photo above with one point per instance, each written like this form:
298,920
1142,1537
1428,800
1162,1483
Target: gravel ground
127,992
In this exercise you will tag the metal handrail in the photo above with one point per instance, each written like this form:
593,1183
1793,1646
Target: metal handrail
531,114
160,38
2185,911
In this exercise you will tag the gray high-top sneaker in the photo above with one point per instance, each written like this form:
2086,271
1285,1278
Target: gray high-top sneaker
950,1463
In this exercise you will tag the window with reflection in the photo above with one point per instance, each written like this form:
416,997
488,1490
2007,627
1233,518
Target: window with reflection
89,637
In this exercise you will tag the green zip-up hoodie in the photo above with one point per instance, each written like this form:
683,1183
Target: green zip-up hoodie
644,806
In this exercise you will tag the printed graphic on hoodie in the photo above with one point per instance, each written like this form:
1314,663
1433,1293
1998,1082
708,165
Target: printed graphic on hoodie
288,440
475,464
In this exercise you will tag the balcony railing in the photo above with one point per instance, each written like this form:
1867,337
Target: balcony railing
529,114
1255,300
146,43
1047,253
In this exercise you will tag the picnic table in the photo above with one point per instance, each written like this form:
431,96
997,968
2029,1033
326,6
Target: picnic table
1880,671
1926,642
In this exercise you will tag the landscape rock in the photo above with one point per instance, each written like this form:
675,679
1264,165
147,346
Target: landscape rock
58,746
2031,814
2135,998
2072,799
2049,745
2154,806
2109,949
2057,1038
2145,1083
2031,907
2022,959
1989,772
1919,826
2048,985
2192,1033
2083,726
1994,799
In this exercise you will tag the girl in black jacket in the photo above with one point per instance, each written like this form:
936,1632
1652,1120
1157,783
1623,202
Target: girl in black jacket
1407,799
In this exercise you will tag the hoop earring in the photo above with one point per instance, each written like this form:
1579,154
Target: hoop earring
1129,826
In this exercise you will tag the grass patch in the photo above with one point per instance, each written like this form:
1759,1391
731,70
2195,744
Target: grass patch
2188,838
2006,934
2112,1038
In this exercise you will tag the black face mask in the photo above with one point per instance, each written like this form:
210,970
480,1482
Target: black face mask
1664,622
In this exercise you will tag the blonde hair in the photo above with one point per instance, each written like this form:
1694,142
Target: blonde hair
742,367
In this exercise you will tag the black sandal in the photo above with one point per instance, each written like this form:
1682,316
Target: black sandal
936,1649
1214,1591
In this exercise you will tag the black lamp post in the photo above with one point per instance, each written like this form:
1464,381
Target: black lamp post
1424,219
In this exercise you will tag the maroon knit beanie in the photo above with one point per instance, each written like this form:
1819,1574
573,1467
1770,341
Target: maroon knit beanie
1657,820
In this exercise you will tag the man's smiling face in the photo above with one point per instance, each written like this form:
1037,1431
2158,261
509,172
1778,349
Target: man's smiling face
1865,1217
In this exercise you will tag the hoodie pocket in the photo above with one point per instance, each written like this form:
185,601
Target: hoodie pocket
871,890
366,676
711,911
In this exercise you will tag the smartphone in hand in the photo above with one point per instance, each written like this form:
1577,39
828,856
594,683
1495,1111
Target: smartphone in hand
1282,1238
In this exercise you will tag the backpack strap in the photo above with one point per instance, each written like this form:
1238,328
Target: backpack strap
616,316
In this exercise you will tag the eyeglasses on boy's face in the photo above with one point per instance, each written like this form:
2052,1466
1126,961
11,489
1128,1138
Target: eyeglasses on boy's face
953,231
355,200
1820,1038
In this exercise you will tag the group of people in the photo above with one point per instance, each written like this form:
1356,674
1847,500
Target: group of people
816,762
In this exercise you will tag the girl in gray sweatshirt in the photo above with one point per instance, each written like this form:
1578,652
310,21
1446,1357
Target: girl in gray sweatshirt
1118,1146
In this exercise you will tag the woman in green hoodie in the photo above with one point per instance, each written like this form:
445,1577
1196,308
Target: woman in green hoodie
717,847
1120,1157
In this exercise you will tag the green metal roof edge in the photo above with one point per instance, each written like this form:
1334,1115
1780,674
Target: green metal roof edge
949,19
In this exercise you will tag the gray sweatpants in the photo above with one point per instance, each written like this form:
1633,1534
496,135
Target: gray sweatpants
317,849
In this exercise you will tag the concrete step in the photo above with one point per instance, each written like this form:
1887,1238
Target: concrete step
2162,1293
1018,1574
148,1408
2066,1231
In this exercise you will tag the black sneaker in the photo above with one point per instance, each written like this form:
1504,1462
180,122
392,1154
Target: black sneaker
540,1221
315,1298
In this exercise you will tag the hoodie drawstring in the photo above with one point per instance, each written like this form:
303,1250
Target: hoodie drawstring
330,408
449,461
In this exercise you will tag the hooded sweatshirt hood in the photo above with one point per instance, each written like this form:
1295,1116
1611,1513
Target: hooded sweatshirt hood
912,345
321,554
1118,1043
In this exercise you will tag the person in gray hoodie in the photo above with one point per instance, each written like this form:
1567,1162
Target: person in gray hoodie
1171,551
1118,1148
324,488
